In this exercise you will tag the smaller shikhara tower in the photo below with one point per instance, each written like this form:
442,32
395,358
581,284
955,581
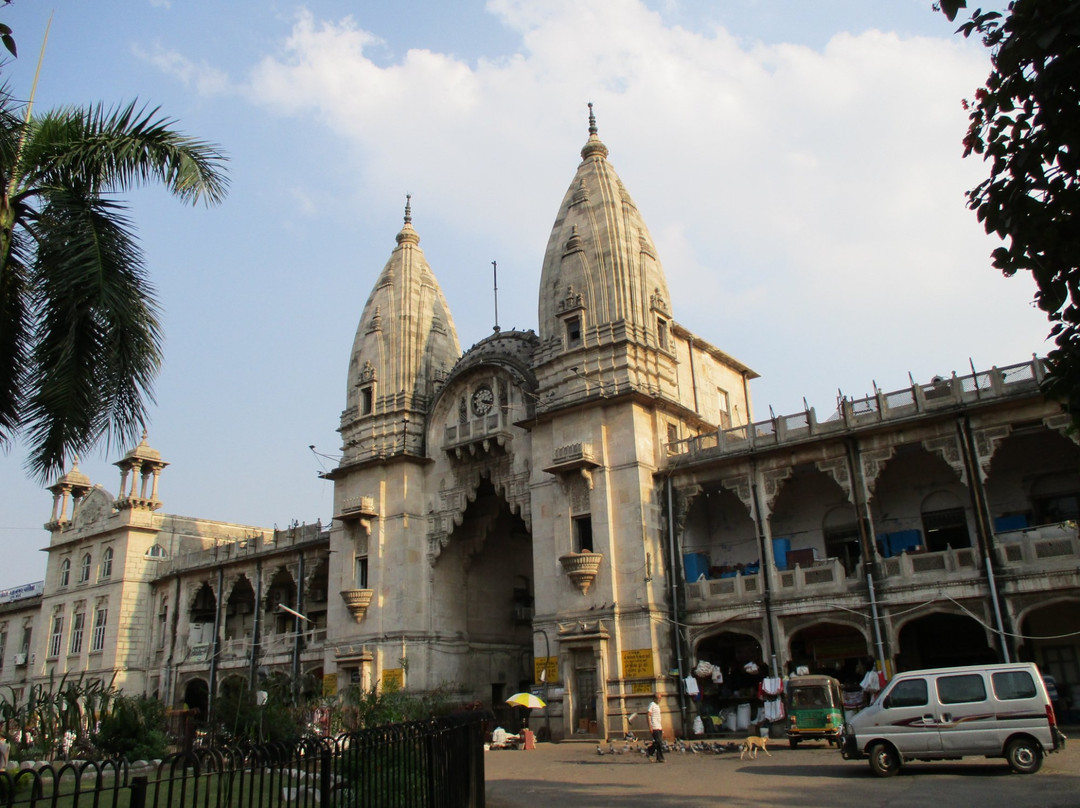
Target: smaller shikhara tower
499,514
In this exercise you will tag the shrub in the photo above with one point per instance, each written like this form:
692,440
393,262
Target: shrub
135,729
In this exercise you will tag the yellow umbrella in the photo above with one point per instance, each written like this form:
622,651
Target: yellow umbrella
526,700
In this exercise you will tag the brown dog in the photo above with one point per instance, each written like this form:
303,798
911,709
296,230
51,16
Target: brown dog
752,745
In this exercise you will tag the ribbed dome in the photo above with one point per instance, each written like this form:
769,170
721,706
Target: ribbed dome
406,335
600,257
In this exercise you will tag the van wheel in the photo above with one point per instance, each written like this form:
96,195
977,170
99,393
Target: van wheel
884,760
1024,756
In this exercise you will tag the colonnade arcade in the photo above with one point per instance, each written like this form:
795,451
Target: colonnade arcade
783,543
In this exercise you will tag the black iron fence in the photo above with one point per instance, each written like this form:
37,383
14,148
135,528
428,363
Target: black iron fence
427,764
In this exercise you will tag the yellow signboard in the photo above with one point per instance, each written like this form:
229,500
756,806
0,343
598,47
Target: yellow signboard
329,684
549,664
393,678
637,664
641,688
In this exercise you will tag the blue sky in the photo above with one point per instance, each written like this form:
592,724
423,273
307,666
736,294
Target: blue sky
800,172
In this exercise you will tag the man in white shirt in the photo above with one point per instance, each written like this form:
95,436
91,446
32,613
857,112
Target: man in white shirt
657,729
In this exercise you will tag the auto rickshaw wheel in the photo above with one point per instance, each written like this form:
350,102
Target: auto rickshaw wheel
793,742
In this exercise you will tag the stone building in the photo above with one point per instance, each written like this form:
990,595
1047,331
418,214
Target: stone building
925,527
588,510
164,605
593,502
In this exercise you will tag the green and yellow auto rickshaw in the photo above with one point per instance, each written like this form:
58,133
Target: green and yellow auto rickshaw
815,709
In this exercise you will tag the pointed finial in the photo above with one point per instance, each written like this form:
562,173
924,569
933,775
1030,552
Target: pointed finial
407,234
593,146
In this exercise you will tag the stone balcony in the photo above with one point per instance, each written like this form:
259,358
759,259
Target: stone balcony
920,567
1043,549
1032,551
478,435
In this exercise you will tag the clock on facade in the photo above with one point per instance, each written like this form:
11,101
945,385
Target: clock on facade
482,399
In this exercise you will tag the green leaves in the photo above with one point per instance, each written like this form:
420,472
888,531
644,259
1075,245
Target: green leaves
80,341
1026,122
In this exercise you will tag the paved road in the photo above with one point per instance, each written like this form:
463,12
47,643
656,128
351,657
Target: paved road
569,775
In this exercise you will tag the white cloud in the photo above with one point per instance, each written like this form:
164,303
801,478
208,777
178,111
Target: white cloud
806,191
203,78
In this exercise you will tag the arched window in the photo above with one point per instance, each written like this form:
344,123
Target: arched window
156,551
97,638
84,569
65,572
106,563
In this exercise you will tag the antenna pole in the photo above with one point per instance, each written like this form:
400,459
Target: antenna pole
495,279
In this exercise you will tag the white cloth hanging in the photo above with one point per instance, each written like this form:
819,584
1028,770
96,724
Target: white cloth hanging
871,683
774,710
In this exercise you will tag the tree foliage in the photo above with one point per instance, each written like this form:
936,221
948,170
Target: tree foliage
134,729
6,37
80,343
1025,122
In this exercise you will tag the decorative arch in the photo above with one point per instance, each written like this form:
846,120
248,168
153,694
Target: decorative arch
511,488
1047,600
944,637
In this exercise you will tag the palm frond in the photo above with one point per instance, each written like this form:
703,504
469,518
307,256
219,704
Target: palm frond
98,341
117,149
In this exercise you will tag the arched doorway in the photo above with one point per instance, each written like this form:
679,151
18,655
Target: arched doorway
482,594
739,660
1052,641
831,649
942,640
197,697
240,611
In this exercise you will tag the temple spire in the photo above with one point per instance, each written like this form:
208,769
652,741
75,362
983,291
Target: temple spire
594,146
407,234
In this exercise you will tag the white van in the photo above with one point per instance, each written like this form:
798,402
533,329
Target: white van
947,713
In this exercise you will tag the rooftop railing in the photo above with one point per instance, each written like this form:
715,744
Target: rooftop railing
940,393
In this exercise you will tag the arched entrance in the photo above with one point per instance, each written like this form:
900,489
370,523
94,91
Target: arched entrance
942,640
197,697
1052,641
831,649
482,595
740,662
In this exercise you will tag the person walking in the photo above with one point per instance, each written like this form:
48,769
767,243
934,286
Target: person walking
656,728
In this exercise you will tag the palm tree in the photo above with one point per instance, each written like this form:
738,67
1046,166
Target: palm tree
80,342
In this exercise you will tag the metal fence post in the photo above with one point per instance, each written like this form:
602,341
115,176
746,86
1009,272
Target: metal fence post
324,776
138,792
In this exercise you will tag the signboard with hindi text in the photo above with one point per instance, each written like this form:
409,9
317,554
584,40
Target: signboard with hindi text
638,664
546,669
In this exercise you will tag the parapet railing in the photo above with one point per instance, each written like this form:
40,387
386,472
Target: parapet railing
939,394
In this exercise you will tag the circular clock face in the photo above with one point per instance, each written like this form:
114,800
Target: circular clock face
482,399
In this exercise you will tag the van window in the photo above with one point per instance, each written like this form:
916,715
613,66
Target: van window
908,693
1010,685
960,689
